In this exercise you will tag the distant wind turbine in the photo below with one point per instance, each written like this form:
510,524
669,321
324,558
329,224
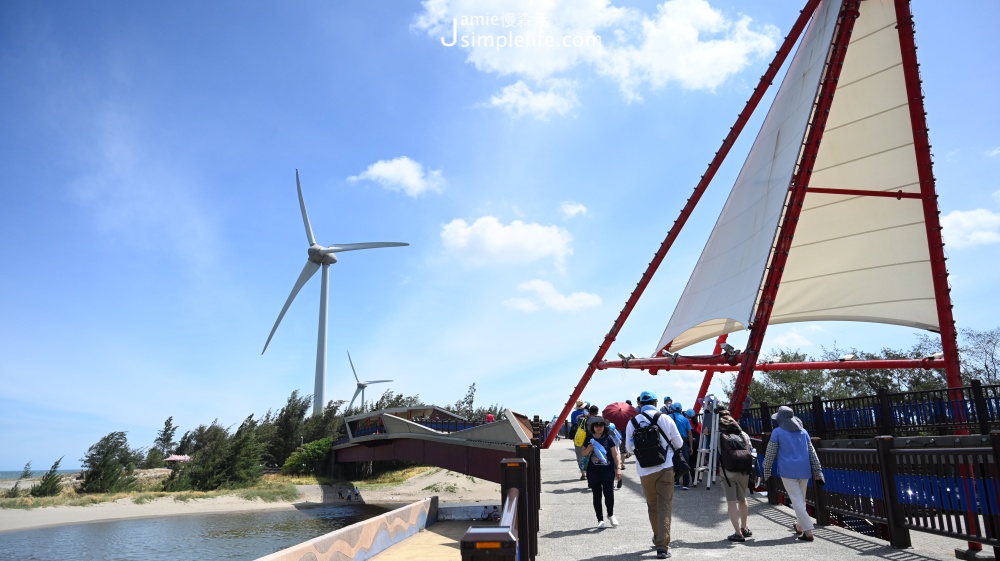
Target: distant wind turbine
319,255
361,385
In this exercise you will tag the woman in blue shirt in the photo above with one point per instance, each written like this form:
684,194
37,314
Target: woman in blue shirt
790,452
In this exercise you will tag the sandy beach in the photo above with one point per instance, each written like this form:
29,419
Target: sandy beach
448,486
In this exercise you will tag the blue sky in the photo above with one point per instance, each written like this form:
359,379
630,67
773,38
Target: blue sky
150,229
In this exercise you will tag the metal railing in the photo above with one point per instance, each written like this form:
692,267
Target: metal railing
947,486
974,409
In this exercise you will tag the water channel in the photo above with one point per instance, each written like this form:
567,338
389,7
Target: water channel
241,535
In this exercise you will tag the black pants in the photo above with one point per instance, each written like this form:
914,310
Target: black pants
606,486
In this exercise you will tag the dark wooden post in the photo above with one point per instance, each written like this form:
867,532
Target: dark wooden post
531,496
819,419
899,536
765,419
822,500
982,410
514,474
884,421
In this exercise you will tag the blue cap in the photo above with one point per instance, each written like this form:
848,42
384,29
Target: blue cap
647,397
678,407
689,412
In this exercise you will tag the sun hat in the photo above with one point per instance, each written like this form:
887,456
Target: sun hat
596,420
579,404
647,397
786,419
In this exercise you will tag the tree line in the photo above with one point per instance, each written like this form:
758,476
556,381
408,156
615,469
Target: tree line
230,457
979,353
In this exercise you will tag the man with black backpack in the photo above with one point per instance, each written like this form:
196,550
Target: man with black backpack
652,438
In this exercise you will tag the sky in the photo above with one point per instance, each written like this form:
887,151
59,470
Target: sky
150,227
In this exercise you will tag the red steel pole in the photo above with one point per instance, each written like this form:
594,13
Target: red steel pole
713,167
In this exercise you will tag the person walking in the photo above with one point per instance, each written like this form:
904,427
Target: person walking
657,478
737,463
603,468
683,427
578,419
791,456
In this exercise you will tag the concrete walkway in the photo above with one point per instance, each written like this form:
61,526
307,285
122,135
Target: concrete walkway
699,525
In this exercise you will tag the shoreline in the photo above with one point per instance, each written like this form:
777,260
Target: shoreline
449,486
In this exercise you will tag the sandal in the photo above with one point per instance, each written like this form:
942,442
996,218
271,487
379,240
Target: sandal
737,537
795,528
746,532
805,538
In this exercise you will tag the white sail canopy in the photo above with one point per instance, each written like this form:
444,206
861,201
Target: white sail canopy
853,257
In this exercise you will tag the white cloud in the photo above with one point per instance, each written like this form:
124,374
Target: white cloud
969,228
520,100
791,340
794,337
570,209
686,42
402,174
130,193
546,296
487,241
994,152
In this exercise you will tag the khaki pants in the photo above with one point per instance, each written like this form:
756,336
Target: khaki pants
659,490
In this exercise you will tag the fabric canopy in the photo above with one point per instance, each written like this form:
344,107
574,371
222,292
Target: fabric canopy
853,257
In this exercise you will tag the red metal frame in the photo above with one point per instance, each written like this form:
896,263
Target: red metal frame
665,364
925,172
864,192
727,144
709,373
849,11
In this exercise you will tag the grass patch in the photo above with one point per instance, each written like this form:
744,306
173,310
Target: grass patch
395,477
435,488
451,488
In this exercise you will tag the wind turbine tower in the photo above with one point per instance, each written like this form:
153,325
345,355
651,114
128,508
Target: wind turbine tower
319,257
361,385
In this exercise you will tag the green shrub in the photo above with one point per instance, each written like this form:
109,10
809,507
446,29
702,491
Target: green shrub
306,458
50,484
110,464
15,491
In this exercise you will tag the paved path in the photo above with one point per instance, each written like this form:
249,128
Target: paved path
699,527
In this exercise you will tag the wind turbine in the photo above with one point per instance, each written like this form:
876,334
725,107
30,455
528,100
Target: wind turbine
319,256
361,385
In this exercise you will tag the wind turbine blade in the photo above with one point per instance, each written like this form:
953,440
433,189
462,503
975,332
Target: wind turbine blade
355,397
307,272
352,366
337,248
377,381
305,217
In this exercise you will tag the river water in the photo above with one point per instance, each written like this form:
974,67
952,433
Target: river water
242,535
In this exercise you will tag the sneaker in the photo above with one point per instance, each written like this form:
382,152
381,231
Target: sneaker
662,553
601,525
684,488
613,521
746,532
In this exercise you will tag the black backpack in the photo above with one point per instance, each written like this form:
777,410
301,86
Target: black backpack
734,454
649,451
